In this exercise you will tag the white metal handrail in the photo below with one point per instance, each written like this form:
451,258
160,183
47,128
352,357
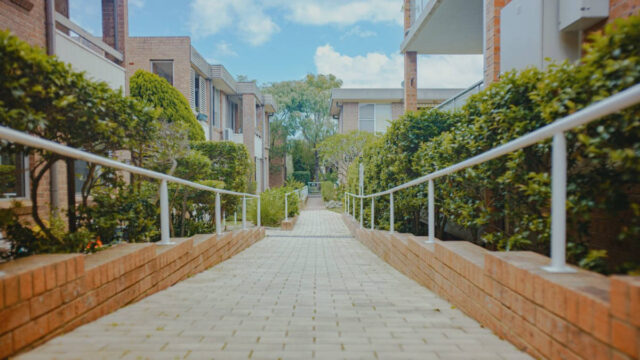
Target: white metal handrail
286,201
36,142
555,130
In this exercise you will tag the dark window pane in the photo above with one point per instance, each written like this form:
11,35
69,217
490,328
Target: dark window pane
12,176
163,68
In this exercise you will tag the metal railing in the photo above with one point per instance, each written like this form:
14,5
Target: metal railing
460,98
300,192
165,237
555,130
95,41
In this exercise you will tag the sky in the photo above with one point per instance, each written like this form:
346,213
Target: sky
277,40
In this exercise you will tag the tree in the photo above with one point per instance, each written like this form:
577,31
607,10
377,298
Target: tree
174,107
303,109
341,150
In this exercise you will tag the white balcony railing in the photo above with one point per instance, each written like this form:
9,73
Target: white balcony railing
231,135
457,101
88,53
555,130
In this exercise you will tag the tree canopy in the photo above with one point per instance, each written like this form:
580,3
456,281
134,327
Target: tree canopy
303,111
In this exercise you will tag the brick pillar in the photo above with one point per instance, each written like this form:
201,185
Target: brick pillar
410,81
115,25
492,29
410,66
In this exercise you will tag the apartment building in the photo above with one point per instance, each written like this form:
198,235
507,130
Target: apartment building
226,109
46,24
510,34
373,109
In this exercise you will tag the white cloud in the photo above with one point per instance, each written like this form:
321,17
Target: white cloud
358,32
382,70
223,48
342,12
208,17
251,20
137,3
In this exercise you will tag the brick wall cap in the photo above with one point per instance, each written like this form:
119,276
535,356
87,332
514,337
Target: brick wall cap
33,262
113,253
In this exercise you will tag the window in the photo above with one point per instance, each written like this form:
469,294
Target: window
82,173
366,119
374,117
196,83
163,68
13,176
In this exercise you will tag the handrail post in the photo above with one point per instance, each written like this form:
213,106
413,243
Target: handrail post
361,211
373,212
432,216
286,208
391,220
346,195
354,207
259,219
244,212
218,215
165,234
559,205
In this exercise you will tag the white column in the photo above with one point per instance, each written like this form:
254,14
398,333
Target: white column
286,208
361,211
218,215
559,205
259,219
165,234
373,213
244,213
391,220
432,217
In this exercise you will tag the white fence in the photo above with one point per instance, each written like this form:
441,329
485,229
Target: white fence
555,130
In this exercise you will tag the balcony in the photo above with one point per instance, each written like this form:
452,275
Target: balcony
445,27
257,147
88,53
456,102
231,135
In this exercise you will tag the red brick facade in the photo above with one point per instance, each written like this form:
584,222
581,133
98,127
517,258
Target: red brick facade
43,296
28,25
617,9
550,316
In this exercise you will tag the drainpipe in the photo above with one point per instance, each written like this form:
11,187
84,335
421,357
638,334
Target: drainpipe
50,26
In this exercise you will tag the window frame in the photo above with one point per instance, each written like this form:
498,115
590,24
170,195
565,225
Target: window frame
25,180
373,119
151,61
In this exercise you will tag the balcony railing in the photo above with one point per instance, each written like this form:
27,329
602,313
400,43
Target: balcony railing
416,9
555,130
39,143
457,101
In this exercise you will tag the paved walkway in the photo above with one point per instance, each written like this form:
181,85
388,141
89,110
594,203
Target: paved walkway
314,292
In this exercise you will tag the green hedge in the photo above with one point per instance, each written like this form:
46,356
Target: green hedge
504,204
157,92
302,176
328,190
272,206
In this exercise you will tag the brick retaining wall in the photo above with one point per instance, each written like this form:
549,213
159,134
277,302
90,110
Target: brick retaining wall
43,296
551,316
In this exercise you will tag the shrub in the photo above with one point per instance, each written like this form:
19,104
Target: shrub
328,190
302,176
272,206
505,203
157,92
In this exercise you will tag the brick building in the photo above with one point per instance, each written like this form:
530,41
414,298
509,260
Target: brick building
46,24
372,109
510,34
228,110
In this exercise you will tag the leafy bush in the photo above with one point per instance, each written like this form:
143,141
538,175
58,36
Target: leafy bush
302,176
328,190
157,92
272,206
43,96
504,204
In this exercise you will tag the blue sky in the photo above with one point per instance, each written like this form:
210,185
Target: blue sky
275,40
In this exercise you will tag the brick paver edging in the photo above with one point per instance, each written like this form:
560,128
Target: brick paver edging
583,315
43,296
